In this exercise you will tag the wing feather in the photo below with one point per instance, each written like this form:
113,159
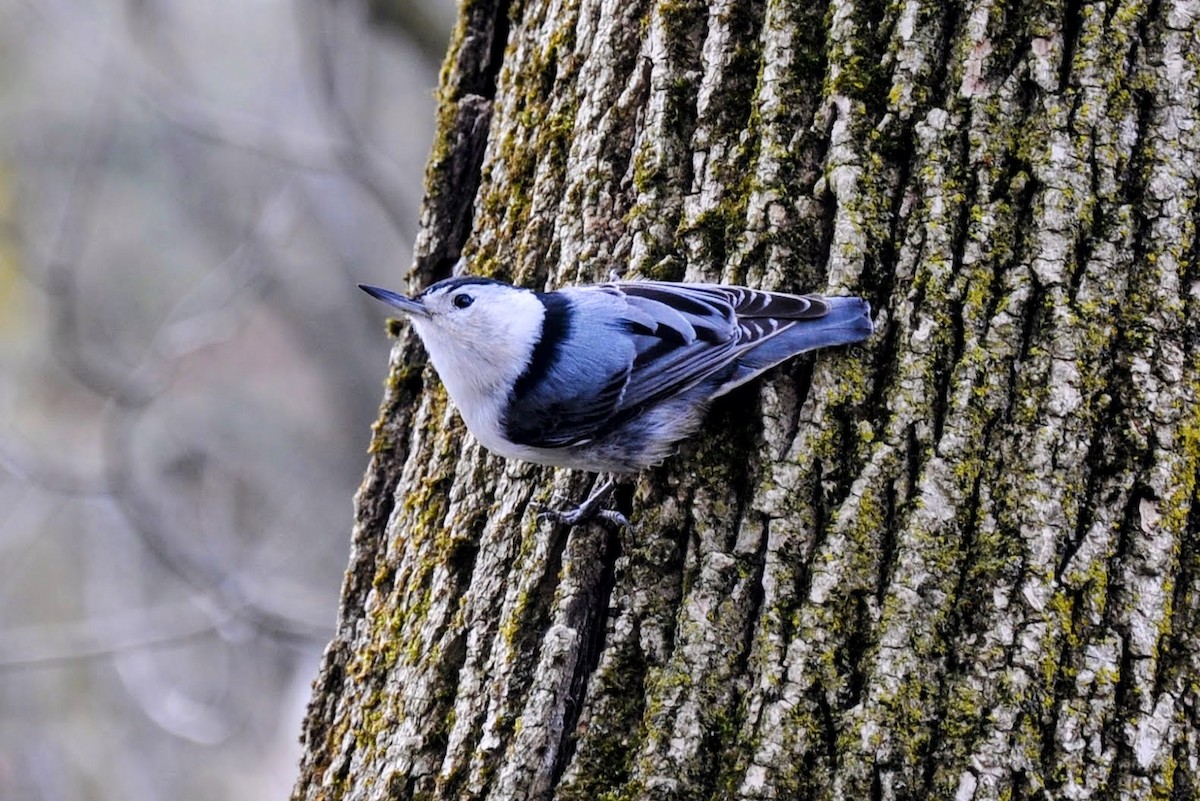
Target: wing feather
725,323
666,338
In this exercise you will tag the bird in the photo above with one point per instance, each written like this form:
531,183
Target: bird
608,378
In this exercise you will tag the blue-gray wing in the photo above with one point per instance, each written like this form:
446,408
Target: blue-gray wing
634,344
688,333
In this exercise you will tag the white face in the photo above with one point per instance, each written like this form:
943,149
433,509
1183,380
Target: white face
480,337
474,316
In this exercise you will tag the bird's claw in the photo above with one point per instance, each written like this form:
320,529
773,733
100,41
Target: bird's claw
588,510
615,518
582,514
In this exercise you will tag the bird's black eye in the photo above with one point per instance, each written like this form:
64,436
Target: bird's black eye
462,300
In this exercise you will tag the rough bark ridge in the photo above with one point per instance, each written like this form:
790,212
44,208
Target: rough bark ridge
961,561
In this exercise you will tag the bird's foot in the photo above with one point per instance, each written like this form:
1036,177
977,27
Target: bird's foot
583,514
589,510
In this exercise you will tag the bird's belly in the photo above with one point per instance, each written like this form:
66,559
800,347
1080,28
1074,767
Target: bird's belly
640,442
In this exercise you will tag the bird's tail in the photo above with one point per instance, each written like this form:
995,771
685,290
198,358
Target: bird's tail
848,321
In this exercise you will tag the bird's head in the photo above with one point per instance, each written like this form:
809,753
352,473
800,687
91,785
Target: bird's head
480,333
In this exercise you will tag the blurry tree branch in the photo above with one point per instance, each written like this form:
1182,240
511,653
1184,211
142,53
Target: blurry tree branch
26,464
219,581
47,644
359,158
340,148
422,22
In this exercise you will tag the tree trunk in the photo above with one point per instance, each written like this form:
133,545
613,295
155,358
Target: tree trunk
959,561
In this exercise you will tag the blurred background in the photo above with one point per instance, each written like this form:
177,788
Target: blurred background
189,192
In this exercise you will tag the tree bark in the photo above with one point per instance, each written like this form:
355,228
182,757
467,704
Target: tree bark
959,561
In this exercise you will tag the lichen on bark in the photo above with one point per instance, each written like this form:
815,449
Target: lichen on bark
959,561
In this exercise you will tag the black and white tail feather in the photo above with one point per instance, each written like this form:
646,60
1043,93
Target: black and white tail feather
608,378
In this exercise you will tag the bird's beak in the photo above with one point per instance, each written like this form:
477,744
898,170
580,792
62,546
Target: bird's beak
405,304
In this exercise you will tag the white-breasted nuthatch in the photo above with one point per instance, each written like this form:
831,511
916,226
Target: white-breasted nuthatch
608,378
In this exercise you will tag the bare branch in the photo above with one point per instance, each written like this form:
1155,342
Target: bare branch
97,638
21,462
362,162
